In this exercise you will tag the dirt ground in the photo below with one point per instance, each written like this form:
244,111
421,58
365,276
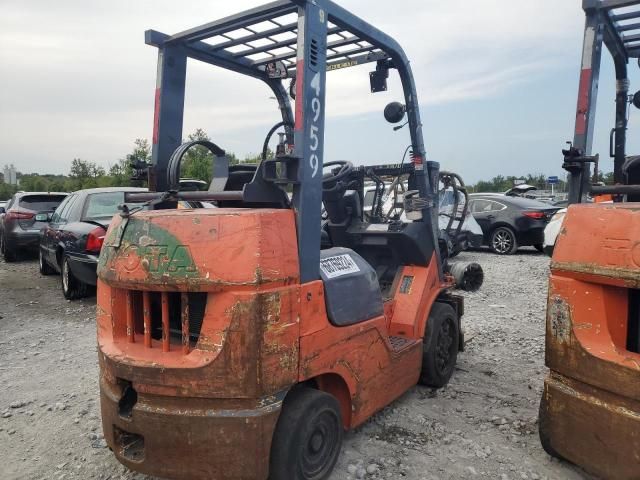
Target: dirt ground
482,425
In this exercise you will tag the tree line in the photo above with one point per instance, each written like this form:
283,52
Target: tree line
197,164
87,174
502,183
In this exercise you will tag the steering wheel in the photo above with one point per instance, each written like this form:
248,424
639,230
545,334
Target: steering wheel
330,177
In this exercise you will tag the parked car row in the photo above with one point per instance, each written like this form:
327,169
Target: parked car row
72,238
67,231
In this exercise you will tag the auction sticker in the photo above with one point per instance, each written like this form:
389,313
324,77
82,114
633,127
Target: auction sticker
339,265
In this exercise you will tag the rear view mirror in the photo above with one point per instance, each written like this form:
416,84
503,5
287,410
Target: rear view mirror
43,217
394,112
276,70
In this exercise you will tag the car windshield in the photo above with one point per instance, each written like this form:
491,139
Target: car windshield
41,203
104,205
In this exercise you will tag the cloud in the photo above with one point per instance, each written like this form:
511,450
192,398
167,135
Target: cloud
81,79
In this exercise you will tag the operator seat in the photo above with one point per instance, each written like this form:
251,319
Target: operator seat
343,270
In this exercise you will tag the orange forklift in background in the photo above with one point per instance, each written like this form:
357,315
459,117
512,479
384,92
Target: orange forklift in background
239,342
590,408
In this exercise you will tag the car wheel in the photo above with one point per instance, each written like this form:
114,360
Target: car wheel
440,346
539,247
72,288
8,254
45,268
503,241
308,436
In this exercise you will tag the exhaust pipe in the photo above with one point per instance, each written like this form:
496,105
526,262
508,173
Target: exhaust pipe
468,276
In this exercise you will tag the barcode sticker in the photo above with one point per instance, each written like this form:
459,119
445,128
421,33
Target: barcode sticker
339,265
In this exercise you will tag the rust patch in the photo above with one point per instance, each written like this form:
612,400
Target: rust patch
559,318
630,276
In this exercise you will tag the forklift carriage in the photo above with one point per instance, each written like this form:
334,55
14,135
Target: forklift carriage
239,342
590,407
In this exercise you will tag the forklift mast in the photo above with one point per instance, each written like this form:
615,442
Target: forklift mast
616,24
263,44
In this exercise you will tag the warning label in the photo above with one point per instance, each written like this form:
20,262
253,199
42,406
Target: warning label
339,265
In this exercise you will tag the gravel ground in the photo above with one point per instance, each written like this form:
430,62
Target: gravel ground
482,425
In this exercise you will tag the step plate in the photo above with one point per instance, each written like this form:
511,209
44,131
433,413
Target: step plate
400,343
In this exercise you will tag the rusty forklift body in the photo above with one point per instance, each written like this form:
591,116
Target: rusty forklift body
590,408
228,337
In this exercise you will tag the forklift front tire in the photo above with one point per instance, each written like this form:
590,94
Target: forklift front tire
308,436
440,346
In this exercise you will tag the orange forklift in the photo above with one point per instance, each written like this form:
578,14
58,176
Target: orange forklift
590,408
240,342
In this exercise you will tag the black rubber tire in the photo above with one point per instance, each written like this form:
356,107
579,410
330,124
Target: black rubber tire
539,247
308,436
72,288
503,241
8,254
43,266
543,428
440,346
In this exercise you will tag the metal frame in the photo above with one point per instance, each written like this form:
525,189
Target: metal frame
324,37
616,24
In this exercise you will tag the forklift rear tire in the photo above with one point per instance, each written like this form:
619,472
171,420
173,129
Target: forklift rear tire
308,436
440,346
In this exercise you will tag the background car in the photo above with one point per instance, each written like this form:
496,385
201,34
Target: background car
552,231
19,228
72,237
510,222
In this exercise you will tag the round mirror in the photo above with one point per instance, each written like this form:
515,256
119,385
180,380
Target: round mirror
394,112
636,99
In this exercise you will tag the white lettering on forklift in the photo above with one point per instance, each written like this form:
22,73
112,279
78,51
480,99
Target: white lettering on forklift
316,108
339,265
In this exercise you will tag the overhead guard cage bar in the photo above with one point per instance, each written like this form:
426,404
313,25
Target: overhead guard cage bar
616,23
309,37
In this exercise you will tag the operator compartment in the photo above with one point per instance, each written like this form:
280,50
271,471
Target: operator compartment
181,289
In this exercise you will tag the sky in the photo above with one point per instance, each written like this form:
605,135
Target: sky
497,84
